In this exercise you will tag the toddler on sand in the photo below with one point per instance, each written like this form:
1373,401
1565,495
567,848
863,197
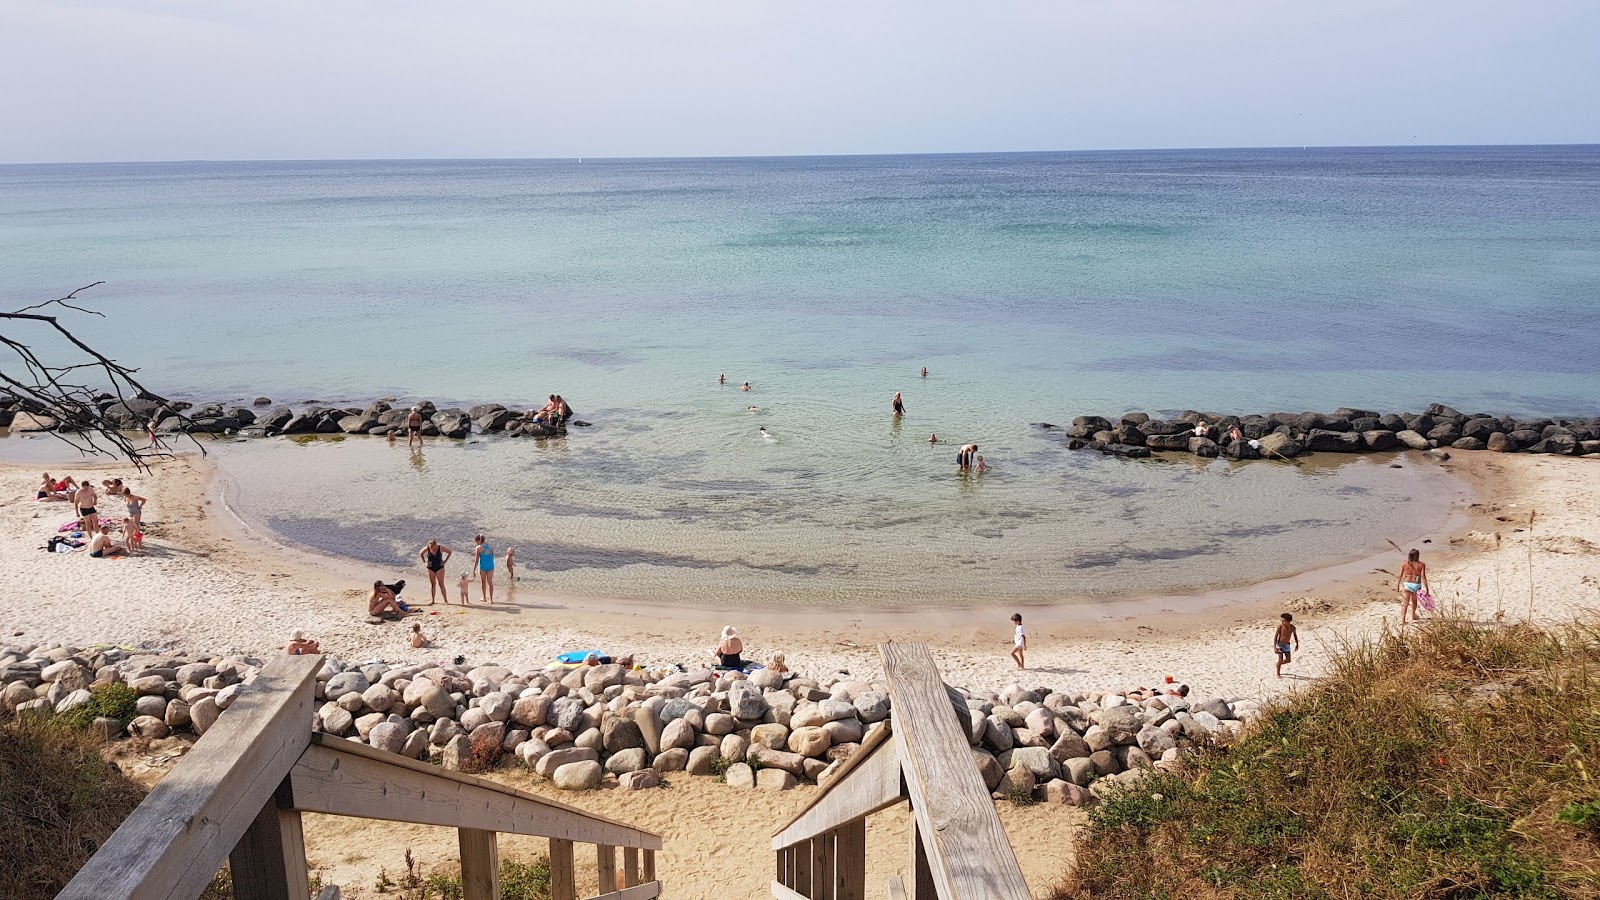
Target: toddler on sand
465,583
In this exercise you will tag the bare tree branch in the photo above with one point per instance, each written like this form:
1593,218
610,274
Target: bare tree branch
96,404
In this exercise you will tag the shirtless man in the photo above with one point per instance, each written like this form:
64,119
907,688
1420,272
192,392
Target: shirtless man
101,546
85,500
1281,639
964,457
414,427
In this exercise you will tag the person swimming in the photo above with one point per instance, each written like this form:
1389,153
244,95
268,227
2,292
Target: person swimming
746,386
765,436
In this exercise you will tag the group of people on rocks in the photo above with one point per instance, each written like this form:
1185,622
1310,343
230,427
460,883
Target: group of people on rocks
555,413
95,526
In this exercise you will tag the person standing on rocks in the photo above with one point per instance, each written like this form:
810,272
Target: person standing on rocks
1281,640
414,427
1413,580
1019,641
434,556
483,555
85,500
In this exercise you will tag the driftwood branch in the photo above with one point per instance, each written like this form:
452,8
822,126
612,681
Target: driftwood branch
76,393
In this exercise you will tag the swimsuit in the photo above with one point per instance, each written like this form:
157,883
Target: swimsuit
87,511
134,507
436,561
1411,586
486,559
96,554
730,660
1281,647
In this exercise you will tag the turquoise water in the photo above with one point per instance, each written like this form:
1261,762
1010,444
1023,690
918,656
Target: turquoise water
1033,286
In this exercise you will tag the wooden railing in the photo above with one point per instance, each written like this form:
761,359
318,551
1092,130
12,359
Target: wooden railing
958,849
238,795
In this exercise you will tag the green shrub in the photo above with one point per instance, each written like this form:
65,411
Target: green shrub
113,700
1454,761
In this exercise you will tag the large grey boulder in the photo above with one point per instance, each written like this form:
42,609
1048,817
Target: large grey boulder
578,776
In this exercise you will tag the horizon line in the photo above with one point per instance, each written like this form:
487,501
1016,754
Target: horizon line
749,156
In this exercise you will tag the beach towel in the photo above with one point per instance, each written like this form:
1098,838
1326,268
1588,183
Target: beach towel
578,656
1426,599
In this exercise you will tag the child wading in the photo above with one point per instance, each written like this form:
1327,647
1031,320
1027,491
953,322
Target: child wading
1282,638
1019,641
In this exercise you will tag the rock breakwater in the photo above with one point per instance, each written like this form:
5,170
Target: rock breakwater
601,726
263,418
1284,435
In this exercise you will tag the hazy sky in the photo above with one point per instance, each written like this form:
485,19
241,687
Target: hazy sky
207,79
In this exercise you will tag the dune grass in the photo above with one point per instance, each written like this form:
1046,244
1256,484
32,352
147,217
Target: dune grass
1453,761
59,800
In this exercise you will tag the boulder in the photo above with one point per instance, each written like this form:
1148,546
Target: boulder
639,780
618,734
530,711
1322,440
148,727
809,741
1412,439
557,758
775,780
497,705
1069,746
678,733
1564,444
578,776
872,707
1380,440
1499,442
1204,447
487,740
1079,771
768,758
701,761
203,714
1468,443
388,737
740,775
746,702
627,761
1036,760
773,735
1445,433
735,747
1166,441
674,760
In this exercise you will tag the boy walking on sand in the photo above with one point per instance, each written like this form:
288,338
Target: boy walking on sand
1281,640
1019,641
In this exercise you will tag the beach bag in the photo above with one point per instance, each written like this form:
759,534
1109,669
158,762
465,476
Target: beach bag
1426,599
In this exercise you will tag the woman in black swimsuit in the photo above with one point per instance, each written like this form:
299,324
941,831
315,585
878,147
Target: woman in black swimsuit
434,556
729,649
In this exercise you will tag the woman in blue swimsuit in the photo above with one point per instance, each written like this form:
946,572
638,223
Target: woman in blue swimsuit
485,557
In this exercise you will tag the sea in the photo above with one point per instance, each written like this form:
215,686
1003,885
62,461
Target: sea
1034,287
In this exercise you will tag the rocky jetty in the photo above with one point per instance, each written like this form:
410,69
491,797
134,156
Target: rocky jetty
601,726
264,419
1284,435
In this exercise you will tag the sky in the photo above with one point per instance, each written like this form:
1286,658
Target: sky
365,79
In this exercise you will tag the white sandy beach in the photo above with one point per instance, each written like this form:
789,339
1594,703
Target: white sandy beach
208,585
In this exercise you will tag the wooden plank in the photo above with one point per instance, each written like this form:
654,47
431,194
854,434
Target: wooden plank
877,738
563,872
802,868
605,866
922,886
177,839
630,867
850,861
269,862
480,864
647,891
342,778
822,866
897,888
784,893
968,852
649,865
872,785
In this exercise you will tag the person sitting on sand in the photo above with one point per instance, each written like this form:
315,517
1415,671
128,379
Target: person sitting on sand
729,649
775,664
56,490
101,546
383,603
300,645
418,639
